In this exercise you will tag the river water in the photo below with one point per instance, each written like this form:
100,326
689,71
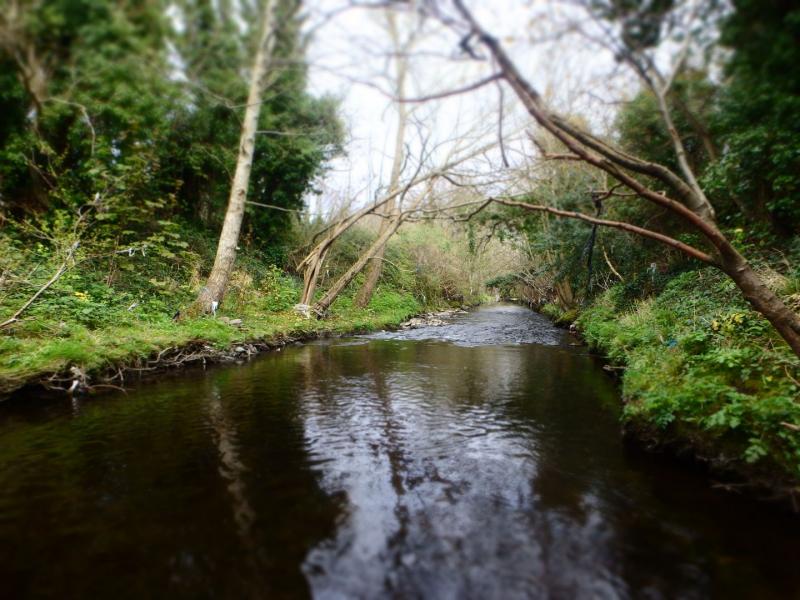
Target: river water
481,459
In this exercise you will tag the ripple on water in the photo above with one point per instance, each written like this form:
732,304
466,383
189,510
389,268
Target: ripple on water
501,324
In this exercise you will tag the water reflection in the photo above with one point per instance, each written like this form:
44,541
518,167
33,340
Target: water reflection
439,465
458,464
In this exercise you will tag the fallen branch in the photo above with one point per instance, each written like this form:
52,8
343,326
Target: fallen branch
61,270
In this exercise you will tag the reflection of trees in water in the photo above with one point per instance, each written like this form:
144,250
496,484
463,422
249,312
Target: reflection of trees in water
523,465
561,395
586,496
232,469
278,509
400,406
392,444
469,472
352,429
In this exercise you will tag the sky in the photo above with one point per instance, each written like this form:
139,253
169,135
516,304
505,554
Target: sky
351,57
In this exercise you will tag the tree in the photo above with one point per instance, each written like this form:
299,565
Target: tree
691,100
690,203
86,99
401,65
296,134
375,250
211,294
311,265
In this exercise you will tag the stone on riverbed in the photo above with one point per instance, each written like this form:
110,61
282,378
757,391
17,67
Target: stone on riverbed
431,319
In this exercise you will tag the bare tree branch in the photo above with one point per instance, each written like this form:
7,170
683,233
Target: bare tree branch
454,92
640,231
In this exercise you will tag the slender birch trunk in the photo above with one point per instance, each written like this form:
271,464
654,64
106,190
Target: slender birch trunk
211,294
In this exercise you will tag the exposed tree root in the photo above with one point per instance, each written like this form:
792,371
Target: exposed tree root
76,381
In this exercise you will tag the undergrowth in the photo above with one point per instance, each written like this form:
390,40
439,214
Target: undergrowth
703,365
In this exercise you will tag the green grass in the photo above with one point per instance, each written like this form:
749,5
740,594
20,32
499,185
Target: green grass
42,345
702,366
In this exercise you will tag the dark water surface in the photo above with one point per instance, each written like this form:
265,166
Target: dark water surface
476,460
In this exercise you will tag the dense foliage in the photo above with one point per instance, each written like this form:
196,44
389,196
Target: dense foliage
138,114
699,359
759,114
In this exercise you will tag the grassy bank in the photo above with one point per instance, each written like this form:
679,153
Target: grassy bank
70,348
63,351
704,373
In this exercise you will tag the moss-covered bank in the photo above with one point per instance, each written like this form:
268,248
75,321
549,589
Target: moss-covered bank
703,374
100,357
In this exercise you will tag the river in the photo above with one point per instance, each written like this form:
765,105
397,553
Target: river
481,459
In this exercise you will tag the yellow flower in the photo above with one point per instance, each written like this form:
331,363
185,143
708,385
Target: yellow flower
715,325
82,296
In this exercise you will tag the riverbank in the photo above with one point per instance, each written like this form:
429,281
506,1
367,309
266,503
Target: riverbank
703,376
79,359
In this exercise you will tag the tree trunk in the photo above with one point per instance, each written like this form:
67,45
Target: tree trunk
33,72
211,294
376,266
785,321
373,275
698,201
377,246
311,277
311,264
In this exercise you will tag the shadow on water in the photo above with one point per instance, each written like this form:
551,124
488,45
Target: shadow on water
477,460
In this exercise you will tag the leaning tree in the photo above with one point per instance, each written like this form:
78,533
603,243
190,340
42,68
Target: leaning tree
680,193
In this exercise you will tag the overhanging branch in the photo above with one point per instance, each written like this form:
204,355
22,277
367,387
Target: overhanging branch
640,231
454,92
